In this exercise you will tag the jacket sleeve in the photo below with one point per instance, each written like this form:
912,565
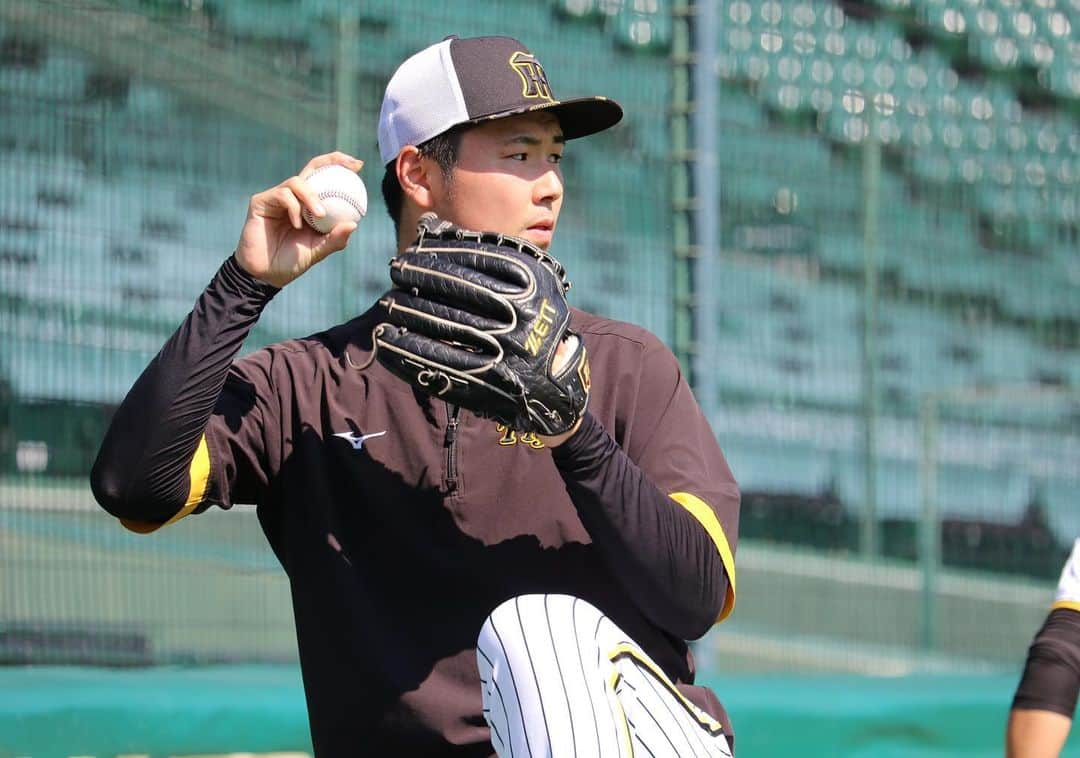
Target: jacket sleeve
154,465
659,499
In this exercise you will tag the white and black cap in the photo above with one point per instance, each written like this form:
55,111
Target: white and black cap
463,81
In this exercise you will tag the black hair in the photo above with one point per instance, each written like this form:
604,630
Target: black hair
442,148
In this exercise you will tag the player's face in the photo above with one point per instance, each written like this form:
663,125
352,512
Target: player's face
507,178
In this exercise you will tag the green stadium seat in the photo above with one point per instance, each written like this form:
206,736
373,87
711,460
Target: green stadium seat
58,77
1062,78
993,495
953,272
386,11
738,110
931,167
895,6
945,18
1065,209
273,20
780,468
643,25
1007,355
843,252
61,370
580,9
991,43
1060,498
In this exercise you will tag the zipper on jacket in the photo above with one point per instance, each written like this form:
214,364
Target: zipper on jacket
450,443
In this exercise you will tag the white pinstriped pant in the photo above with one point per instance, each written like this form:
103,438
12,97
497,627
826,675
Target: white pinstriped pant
561,679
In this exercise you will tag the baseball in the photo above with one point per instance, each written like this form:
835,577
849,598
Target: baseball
342,193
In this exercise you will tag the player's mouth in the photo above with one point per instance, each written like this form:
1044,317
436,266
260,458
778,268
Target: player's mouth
540,233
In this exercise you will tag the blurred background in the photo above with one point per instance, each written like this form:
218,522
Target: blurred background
856,223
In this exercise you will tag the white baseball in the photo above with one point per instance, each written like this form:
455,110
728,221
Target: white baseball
342,193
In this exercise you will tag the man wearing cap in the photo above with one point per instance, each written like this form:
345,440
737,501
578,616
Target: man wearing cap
458,587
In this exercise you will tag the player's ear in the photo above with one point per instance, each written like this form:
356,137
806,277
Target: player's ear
413,174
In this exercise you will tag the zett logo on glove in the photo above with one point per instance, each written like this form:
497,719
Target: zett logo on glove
540,329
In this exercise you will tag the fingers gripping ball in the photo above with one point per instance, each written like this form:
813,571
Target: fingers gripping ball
476,318
342,193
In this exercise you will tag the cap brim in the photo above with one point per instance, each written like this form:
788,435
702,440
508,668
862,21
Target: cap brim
578,117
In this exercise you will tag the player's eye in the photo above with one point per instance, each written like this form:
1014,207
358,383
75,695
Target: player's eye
518,156
556,158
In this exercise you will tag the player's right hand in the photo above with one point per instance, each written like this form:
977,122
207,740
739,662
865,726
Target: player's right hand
276,246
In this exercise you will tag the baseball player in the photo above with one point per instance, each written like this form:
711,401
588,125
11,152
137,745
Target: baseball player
1045,699
501,517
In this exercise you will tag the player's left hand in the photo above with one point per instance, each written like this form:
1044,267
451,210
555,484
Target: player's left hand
554,442
563,353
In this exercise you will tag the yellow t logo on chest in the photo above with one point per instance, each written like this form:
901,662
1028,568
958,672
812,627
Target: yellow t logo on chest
510,437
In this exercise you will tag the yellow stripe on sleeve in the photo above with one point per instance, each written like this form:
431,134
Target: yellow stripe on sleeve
700,510
199,476
1072,605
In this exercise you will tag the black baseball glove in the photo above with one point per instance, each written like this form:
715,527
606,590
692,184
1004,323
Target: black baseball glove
475,319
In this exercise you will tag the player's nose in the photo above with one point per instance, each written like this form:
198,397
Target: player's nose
548,187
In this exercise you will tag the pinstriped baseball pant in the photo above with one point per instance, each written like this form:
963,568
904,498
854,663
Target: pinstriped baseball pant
561,679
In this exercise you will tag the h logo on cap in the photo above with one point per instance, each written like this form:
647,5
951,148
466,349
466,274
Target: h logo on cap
534,83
